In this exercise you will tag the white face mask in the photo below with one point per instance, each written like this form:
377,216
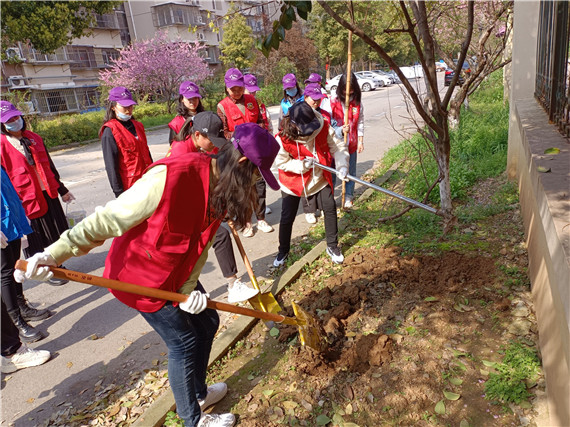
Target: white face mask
123,117
16,125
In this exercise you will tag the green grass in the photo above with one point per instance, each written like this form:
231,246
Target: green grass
520,364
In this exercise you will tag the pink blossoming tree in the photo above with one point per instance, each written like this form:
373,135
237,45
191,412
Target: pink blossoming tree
157,67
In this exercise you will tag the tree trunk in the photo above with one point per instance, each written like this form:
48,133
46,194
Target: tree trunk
442,150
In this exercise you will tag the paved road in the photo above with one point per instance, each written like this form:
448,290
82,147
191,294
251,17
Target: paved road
94,337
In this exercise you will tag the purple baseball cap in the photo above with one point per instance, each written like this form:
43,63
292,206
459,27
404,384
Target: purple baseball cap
7,111
289,81
260,147
250,82
314,78
121,95
189,90
313,91
233,78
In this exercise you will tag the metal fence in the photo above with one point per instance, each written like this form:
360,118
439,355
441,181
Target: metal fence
552,77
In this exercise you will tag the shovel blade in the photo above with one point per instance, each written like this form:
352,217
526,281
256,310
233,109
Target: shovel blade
265,302
310,332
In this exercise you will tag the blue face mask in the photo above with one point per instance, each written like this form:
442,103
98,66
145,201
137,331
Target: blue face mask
291,92
123,117
15,126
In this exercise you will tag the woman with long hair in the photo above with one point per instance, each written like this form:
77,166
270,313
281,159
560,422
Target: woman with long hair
26,160
354,129
189,104
304,139
123,140
162,228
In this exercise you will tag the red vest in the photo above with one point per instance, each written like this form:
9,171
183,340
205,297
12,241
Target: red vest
234,115
264,115
134,156
294,181
23,175
162,251
180,147
353,114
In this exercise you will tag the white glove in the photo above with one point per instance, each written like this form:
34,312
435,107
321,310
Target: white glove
4,240
308,162
34,271
196,302
342,172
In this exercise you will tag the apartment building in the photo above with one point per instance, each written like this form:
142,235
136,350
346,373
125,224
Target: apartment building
67,81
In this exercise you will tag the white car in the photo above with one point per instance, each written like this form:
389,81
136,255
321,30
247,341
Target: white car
382,80
365,83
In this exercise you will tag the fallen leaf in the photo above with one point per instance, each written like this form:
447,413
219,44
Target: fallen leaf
456,381
30,400
429,299
146,346
464,423
155,362
450,395
489,364
457,353
323,420
552,150
267,393
69,364
348,409
348,392
542,169
115,409
274,332
440,407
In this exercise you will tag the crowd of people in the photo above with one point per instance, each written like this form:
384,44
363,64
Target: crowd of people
168,213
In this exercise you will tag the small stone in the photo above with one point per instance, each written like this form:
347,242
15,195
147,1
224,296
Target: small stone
524,421
521,311
520,327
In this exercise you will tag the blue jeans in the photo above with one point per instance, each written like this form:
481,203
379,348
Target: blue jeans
189,340
351,171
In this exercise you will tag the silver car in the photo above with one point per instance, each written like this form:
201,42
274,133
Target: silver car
365,84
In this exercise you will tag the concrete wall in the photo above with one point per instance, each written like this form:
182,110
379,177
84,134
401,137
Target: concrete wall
545,206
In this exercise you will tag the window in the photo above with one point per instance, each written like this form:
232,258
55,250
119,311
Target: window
109,56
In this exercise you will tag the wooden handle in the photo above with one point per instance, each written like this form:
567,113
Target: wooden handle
90,279
248,266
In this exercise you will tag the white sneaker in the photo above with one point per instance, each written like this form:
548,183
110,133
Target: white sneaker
216,392
348,204
248,230
268,210
239,291
264,226
335,254
217,420
311,218
280,259
25,357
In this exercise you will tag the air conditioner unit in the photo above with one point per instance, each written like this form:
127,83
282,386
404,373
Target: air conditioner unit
17,81
198,19
13,53
201,36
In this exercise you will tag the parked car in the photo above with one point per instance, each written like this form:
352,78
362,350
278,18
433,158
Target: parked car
384,74
382,80
449,73
440,66
364,83
394,77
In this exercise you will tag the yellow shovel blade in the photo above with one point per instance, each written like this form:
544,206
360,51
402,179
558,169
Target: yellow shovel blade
310,332
265,302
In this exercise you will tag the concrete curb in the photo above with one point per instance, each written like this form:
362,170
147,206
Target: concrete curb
155,415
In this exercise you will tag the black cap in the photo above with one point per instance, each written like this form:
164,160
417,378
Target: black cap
303,115
210,124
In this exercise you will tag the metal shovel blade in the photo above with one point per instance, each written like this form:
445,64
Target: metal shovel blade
310,332
265,302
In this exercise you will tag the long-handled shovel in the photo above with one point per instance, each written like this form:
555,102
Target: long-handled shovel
383,190
262,301
347,103
309,329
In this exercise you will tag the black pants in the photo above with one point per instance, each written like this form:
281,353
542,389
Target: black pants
261,195
225,252
309,204
10,335
290,205
10,288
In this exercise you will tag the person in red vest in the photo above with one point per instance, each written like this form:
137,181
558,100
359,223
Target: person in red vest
235,109
305,138
189,104
251,88
36,180
354,128
315,78
205,133
162,228
123,140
